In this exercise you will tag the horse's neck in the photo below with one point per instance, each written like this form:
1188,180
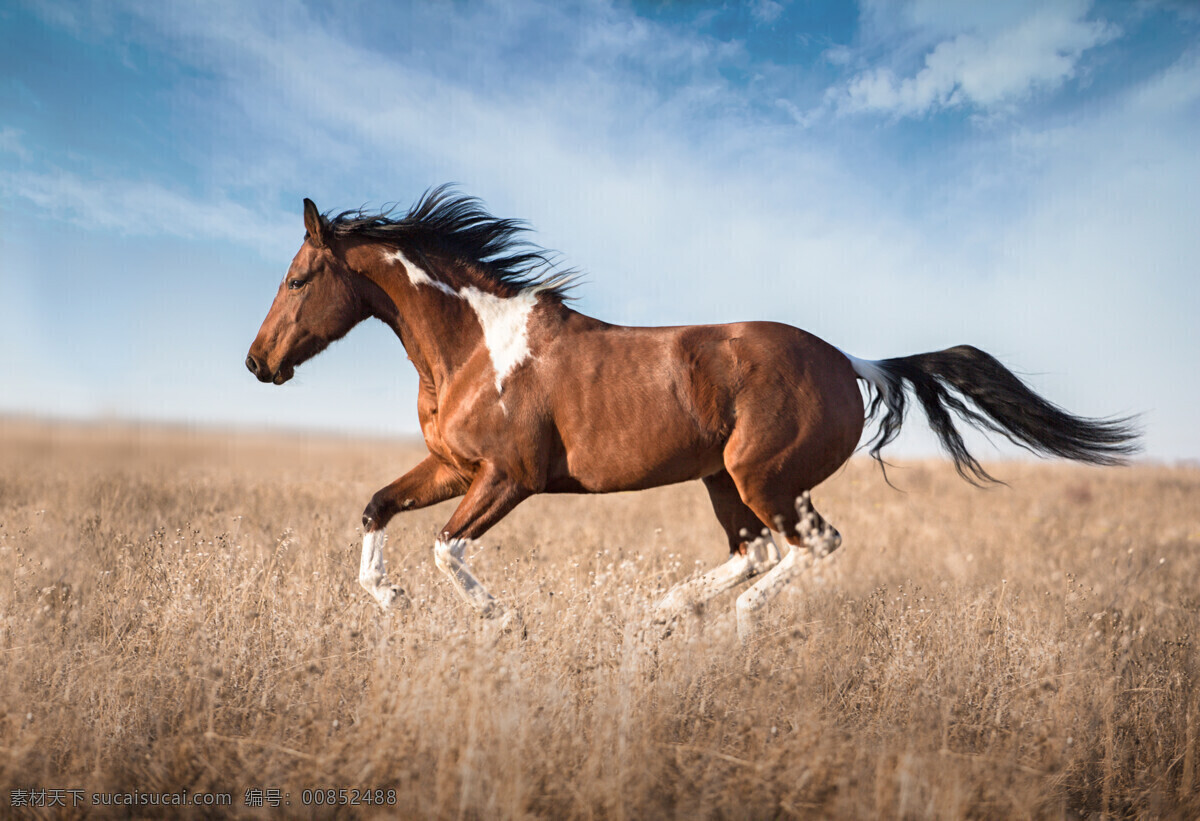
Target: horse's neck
442,322
435,330
424,318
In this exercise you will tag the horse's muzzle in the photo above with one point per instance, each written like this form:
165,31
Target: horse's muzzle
264,374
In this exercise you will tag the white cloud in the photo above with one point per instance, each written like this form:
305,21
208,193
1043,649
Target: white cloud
1171,94
766,11
11,143
588,152
622,142
134,208
995,63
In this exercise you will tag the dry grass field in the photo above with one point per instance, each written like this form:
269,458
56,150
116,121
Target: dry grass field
180,611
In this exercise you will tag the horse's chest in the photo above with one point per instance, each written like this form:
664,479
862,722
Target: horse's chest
430,417
443,447
467,423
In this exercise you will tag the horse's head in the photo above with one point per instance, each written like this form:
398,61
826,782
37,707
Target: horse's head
316,304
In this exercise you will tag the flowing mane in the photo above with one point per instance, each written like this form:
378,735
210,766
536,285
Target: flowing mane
459,225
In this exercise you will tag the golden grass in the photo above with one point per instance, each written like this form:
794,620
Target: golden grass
181,610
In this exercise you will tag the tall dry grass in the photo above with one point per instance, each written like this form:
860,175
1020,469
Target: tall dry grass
180,610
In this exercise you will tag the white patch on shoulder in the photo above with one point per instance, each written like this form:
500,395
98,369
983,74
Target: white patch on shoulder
416,274
504,319
505,331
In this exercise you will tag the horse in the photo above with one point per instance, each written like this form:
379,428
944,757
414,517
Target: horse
519,394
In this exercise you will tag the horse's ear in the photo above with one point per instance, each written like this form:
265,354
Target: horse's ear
314,223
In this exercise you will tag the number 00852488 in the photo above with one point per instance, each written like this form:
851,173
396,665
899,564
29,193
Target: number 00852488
334,797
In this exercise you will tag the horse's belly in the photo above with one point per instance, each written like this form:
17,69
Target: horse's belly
635,450
637,409
632,474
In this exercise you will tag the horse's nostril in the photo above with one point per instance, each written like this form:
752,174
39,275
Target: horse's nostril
252,364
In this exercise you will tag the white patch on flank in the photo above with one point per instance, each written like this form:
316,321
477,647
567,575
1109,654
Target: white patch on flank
870,371
416,274
505,332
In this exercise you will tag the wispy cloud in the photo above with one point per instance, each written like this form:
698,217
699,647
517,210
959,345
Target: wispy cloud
11,143
570,134
640,149
131,208
766,11
992,64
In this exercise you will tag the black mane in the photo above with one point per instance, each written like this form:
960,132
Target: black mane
458,224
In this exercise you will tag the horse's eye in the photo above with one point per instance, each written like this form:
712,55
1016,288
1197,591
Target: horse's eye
296,284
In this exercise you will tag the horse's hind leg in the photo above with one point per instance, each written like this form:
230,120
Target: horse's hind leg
820,539
743,528
749,555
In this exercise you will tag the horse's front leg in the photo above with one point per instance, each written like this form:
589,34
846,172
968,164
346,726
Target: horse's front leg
491,496
428,483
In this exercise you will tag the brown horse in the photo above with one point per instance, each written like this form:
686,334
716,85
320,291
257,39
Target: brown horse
519,395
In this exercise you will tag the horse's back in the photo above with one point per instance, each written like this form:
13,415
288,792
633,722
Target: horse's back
637,407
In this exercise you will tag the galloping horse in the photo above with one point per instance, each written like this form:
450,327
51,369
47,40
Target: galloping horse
520,395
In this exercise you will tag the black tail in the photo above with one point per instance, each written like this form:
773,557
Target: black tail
1001,402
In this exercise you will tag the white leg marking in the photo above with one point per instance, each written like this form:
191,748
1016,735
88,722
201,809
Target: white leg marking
416,274
760,555
448,556
773,548
699,590
820,543
766,588
371,574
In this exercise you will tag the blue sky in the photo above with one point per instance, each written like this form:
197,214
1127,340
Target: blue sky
893,176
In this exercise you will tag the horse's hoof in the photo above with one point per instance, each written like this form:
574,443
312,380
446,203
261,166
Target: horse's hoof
393,596
661,625
504,620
